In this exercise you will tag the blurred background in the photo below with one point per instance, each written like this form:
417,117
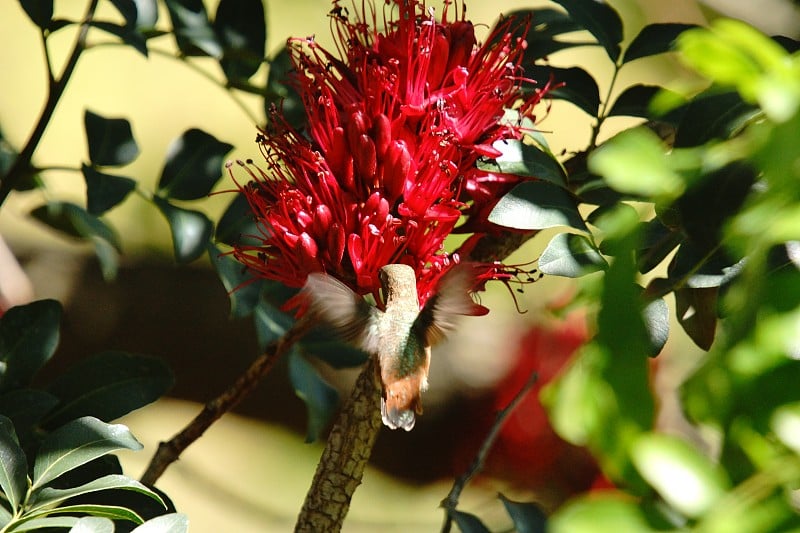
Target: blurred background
253,467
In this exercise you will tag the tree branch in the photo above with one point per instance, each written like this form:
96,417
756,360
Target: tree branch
346,454
168,452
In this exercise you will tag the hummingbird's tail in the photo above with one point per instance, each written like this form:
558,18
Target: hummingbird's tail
395,417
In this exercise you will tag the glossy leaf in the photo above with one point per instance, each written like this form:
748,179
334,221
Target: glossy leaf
688,481
712,115
696,309
237,223
525,160
241,29
655,39
193,32
600,20
656,319
108,386
320,398
93,524
271,323
635,101
571,256
545,25
527,517
113,512
47,522
168,523
537,205
658,242
694,268
48,497
579,87
127,34
601,513
111,141
191,230
146,14
244,292
76,443
467,522
39,11
13,466
28,338
193,166
104,191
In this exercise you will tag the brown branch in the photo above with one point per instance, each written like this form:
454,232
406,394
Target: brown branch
451,501
169,452
345,456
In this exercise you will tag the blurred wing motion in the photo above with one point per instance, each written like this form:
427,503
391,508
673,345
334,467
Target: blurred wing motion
336,304
452,298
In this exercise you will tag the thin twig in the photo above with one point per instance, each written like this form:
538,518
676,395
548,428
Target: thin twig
451,501
169,452
22,164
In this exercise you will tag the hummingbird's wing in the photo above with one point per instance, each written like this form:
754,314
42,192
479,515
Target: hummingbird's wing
452,298
351,317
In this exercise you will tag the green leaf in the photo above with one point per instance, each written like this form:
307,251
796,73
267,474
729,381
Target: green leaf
25,408
168,523
467,523
655,39
39,11
634,163
571,256
193,166
112,512
656,319
77,443
600,513
271,323
108,386
13,466
696,309
579,87
104,191
635,101
687,480
128,34
535,205
191,230
47,497
111,141
320,398
658,242
545,25
237,223
243,291
525,160
336,353
527,517
93,524
28,338
600,20
146,14
241,29
47,522
193,32
281,94
712,115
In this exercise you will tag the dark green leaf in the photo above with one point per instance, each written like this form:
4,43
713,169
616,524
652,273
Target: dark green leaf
193,32
279,93
128,34
694,268
108,386
93,524
271,323
39,11
635,101
8,155
77,222
320,398
527,517
696,309
48,497
570,255
337,354
712,115
537,205
657,244
13,466
104,191
237,223
241,29
193,166
111,141
656,319
579,87
545,25
107,511
191,230
468,523
244,291
600,20
28,337
525,160
75,444
168,523
654,39
25,408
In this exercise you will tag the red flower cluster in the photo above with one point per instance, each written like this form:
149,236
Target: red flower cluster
396,121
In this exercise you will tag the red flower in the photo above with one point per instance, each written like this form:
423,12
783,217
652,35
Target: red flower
396,121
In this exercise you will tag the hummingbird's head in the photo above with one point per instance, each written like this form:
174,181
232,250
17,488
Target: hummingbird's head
399,283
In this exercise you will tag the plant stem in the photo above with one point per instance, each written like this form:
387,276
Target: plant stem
451,501
169,452
346,454
22,164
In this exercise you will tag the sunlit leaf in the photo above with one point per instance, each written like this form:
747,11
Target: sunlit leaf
28,338
93,524
537,205
602,513
655,39
600,19
47,522
656,319
48,497
168,523
191,230
571,256
13,465
525,160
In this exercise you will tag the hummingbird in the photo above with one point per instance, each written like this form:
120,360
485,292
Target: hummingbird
400,336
